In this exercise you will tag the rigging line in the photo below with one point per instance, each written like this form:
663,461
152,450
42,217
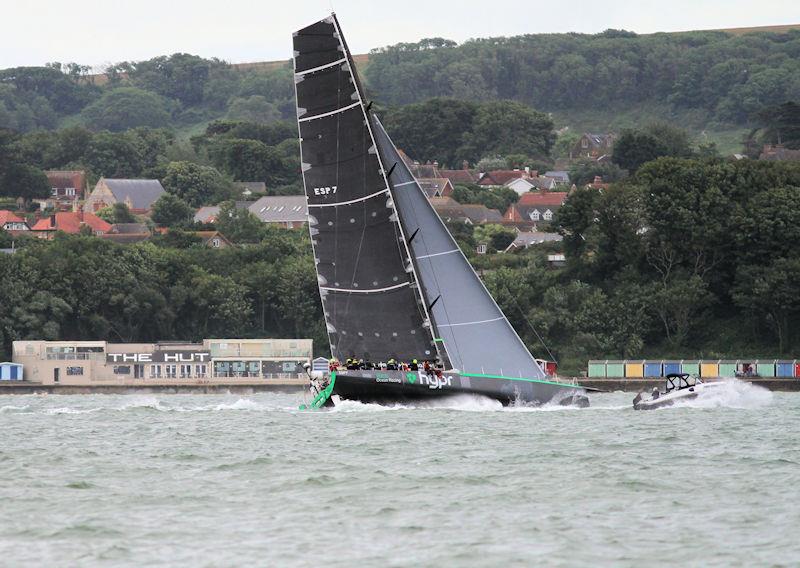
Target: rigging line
530,325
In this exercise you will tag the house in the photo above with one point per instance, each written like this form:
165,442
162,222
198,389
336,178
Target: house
288,211
593,146
128,233
69,222
436,187
207,214
538,206
561,177
248,188
433,171
778,153
598,183
13,224
556,260
213,239
451,210
523,185
529,238
67,187
499,178
138,194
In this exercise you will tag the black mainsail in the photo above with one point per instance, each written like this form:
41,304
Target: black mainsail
371,300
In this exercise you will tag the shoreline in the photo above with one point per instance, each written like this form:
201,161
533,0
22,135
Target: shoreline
295,386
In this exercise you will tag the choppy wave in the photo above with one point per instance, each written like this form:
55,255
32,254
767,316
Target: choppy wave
732,393
13,408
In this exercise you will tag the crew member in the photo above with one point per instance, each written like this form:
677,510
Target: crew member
414,365
391,365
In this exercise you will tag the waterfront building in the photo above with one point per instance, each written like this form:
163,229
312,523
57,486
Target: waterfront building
214,361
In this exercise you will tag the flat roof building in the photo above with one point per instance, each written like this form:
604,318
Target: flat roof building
214,361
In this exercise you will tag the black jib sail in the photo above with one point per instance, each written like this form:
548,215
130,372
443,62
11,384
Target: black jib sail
467,321
372,304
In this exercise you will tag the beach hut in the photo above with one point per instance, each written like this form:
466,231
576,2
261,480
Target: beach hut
615,369
652,368
797,370
746,368
785,369
691,367
634,369
10,371
765,368
672,367
727,368
597,369
709,369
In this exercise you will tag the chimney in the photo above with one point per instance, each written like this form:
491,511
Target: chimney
528,171
535,173
436,163
465,165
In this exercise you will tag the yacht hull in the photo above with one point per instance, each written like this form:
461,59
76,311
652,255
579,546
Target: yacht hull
387,387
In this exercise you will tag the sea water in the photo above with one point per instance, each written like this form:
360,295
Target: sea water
248,480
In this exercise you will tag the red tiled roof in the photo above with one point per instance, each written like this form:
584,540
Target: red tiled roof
458,176
501,177
71,223
9,217
542,198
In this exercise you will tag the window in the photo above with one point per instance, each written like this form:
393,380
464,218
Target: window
481,249
215,242
199,370
584,143
535,215
54,191
170,371
122,369
74,371
186,371
155,371
70,192
548,215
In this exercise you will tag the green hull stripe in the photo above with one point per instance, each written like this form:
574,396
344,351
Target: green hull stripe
439,339
323,396
520,379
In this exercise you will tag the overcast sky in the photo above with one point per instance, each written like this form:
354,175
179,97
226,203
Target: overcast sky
97,32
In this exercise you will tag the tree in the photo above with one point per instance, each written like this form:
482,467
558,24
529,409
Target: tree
248,160
170,210
584,171
634,148
22,180
509,127
771,293
433,130
195,184
496,237
255,109
780,124
117,213
113,155
127,107
239,225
